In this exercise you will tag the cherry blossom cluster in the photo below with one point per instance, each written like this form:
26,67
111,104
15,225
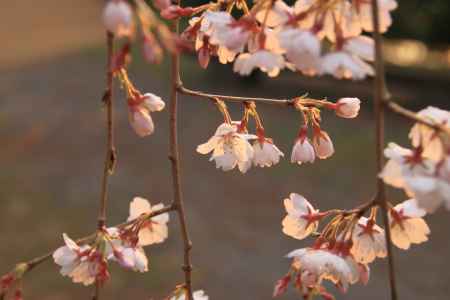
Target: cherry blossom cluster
346,246
311,37
88,263
231,143
423,171
120,19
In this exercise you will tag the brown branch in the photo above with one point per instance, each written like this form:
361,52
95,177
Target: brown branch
284,102
406,113
174,157
34,262
110,158
380,94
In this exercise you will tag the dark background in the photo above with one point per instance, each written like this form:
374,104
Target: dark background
52,147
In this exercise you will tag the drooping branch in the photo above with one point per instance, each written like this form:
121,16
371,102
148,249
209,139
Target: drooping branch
31,264
174,157
381,93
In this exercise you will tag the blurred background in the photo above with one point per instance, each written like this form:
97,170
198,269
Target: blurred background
52,147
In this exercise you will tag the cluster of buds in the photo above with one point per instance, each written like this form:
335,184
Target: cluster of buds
345,246
231,147
423,172
120,19
311,37
87,264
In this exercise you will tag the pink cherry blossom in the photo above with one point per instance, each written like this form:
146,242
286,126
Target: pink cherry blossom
303,151
141,121
344,65
118,18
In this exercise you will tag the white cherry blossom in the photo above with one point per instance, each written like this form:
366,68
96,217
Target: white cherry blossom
422,135
118,17
154,230
322,144
361,46
407,224
141,121
302,219
268,62
348,107
266,153
197,295
369,241
303,151
344,65
302,49
229,148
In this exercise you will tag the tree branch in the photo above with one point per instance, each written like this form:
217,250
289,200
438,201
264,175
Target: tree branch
283,102
174,157
380,94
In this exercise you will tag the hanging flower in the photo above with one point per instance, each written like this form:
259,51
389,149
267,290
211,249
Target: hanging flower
118,18
229,148
348,107
266,153
268,62
302,219
407,224
139,112
322,144
369,241
154,230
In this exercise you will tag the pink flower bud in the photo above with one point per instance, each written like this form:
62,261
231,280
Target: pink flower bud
203,56
141,121
152,102
348,107
302,152
118,18
322,144
281,286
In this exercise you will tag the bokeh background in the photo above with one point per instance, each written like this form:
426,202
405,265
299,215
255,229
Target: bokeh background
52,145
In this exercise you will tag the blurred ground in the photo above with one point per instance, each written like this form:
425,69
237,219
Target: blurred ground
52,133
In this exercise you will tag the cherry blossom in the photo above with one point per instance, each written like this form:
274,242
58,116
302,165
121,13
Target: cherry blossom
322,144
364,10
154,230
83,264
316,265
230,148
426,137
302,219
344,65
348,107
118,17
369,241
139,112
266,153
407,224
277,15
302,49
268,62
303,151
197,295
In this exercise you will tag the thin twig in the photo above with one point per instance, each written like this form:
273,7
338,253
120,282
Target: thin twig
174,157
284,102
381,93
400,110
34,262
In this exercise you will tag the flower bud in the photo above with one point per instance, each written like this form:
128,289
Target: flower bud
302,152
118,18
323,145
347,107
152,102
141,121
